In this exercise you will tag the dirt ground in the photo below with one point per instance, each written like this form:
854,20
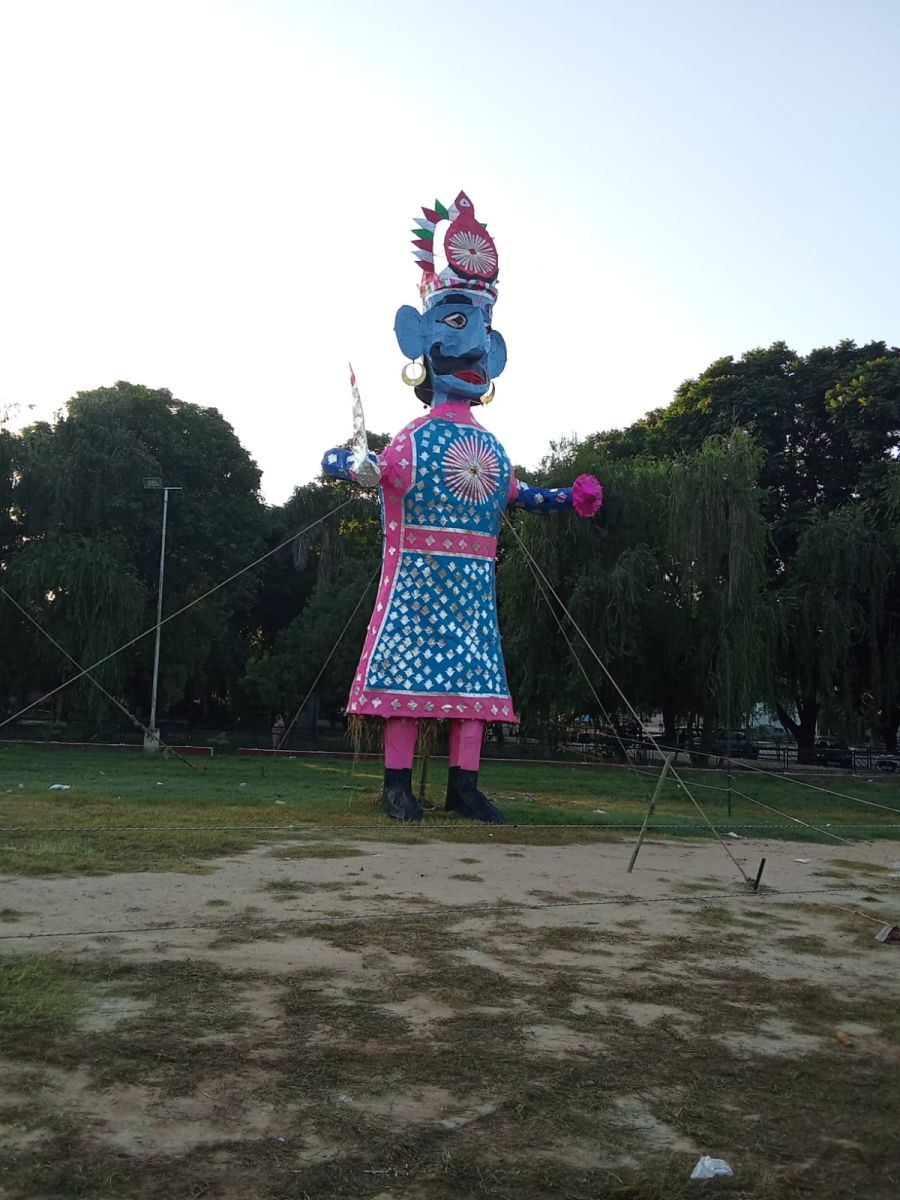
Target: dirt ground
366,1018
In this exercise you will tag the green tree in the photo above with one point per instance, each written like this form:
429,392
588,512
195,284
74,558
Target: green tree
80,485
311,590
668,585
8,456
828,426
83,593
318,637
11,656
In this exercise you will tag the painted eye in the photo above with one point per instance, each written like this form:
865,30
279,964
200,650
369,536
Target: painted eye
455,321
464,203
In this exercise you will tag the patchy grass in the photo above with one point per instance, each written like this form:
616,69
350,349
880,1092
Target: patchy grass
101,838
810,944
284,888
39,995
547,896
36,1117
319,850
490,1064
281,792
457,1078
108,841
136,813
716,915
574,938
167,1035
860,868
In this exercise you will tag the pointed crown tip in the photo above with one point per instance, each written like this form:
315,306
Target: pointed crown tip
472,263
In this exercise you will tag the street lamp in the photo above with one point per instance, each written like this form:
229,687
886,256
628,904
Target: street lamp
154,483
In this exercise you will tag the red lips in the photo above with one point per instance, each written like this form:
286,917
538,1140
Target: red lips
469,376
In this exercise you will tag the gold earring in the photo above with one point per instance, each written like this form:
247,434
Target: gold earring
420,376
489,394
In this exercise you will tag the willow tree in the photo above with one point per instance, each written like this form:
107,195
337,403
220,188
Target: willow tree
717,542
884,623
668,585
828,424
625,594
842,596
542,676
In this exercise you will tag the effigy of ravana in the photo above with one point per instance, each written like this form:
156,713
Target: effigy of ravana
432,649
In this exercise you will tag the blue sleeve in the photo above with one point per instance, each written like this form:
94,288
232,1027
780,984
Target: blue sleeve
336,463
542,500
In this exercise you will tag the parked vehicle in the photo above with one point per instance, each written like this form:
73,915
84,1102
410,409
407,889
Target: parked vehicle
888,762
725,744
833,752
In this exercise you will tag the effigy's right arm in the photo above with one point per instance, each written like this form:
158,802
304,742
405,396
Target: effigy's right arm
342,464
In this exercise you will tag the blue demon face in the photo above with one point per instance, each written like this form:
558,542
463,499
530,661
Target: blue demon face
462,350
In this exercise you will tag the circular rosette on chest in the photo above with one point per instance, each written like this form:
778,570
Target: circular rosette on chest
471,470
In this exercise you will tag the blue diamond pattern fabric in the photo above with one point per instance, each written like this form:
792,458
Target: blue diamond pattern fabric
441,633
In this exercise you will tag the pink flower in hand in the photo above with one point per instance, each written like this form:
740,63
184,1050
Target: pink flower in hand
587,495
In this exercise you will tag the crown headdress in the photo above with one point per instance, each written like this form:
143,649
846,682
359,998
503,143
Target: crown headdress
471,254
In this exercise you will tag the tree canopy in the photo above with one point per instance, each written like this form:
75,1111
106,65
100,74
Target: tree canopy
827,428
748,552
84,556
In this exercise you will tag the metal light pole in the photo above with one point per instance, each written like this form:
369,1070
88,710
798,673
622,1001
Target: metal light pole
151,739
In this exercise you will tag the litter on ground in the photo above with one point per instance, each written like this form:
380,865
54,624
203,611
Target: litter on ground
707,1168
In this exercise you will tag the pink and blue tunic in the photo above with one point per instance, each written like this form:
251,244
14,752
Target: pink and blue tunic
432,647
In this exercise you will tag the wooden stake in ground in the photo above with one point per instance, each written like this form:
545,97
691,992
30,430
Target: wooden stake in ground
649,813
423,780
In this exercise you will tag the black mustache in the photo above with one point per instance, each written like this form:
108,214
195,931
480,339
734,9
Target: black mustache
442,364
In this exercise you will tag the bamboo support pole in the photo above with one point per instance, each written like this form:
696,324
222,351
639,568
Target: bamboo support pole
650,807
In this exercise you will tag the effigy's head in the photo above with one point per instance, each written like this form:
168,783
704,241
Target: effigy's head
454,335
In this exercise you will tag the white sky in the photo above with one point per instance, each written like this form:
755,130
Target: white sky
214,197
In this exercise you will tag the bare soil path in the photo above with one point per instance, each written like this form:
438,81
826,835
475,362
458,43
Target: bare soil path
373,1019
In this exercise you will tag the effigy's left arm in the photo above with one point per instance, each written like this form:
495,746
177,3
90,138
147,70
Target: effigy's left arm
585,496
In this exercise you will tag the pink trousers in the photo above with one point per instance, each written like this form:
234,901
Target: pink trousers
400,735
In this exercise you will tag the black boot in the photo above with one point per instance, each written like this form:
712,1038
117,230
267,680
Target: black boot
397,799
464,798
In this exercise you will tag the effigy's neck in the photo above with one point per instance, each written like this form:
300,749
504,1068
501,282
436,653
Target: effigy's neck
453,410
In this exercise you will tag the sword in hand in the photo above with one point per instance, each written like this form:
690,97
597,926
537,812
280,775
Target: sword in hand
364,465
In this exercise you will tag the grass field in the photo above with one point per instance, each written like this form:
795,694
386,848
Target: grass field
228,801
242,982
